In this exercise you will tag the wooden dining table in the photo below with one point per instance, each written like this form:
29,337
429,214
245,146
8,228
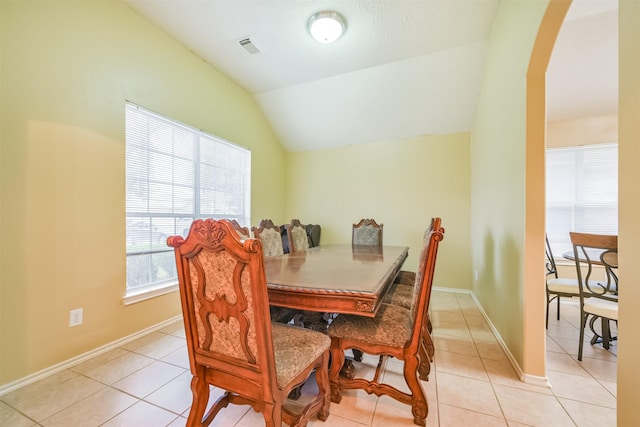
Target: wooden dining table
342,279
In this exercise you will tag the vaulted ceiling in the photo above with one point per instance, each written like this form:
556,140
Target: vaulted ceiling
402,69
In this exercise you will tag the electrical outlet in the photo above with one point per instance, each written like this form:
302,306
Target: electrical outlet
75,317
475,275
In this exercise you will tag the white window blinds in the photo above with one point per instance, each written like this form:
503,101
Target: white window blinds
582,193
175,174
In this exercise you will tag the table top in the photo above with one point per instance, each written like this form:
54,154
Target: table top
334,278
594,255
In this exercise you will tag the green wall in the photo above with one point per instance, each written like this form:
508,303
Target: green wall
67,69
498,143
400,183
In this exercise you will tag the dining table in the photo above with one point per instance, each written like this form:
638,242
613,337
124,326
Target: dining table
326,280
342,279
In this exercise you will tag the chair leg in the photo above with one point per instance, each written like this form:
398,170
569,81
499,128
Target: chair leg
200,392
606,333
419,406
324,388
547,320
272,414
583,323
558,301
424,368
337,360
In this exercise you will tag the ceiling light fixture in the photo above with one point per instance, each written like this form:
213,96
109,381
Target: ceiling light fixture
326,26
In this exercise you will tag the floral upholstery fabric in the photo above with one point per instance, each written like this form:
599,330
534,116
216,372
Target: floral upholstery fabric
366,235
271,242
405,277
299,239
294,349
217,268
417,288
392,326
242,235
400,295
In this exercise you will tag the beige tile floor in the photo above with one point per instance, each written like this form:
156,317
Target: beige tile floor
146,383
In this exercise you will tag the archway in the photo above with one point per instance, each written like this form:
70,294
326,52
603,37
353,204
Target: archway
535,193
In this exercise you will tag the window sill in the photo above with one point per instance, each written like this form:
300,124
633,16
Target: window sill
146,294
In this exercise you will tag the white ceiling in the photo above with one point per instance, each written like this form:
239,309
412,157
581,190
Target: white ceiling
403,68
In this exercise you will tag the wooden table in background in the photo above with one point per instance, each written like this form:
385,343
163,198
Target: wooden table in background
334,278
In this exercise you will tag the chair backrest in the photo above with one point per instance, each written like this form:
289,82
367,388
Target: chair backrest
269,235
313,232
424,277
297,235
367,232
243,232
225,305
550,263
590,250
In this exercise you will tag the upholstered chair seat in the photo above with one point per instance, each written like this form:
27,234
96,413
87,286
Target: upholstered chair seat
293,348
399,294
392,326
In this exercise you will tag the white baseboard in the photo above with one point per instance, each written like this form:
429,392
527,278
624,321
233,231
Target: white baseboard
525,378
29,379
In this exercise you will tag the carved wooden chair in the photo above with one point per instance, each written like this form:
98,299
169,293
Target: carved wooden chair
557,286
269,235
243,232
401,293
395,332
297,235
367,232
232,343
598,298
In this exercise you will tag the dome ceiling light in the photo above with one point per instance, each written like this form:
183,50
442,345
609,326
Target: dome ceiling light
326,26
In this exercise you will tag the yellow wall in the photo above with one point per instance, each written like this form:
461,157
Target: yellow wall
402,183
498,165
67,69
582,131
629,207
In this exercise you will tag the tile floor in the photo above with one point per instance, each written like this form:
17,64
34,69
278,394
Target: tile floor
146,383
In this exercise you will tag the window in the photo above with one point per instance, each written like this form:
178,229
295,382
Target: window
582,193
175,174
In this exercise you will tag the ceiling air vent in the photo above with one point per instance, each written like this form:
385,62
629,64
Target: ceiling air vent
250,46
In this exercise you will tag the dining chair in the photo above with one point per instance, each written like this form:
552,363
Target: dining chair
598,298
231,342
367,232
243,232
395,332
557,286
269,235
297,235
